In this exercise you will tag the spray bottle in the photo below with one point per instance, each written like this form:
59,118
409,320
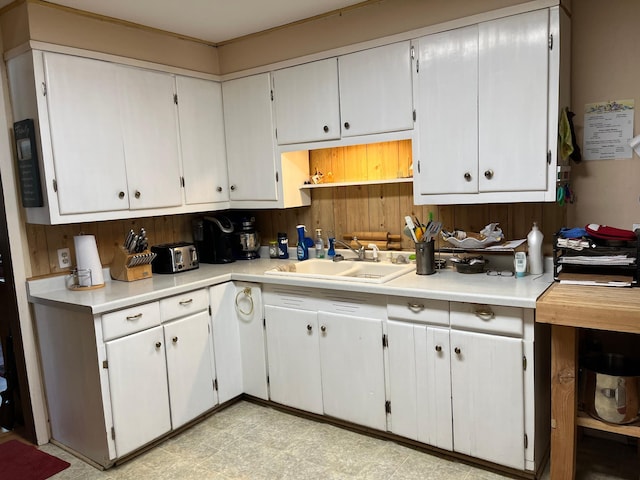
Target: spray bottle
302,249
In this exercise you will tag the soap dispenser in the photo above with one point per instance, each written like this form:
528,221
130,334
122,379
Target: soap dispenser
302,248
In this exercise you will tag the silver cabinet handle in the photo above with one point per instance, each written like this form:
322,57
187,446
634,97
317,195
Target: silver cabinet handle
120,195
485,314
457,350
325,128
309,328
218,189
467,176
323,329
347,126
438,348
158,344
174,339
488,174
137,194
416,307
134,317
233,187
186,302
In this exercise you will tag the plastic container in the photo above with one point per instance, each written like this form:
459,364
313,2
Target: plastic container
302,248
283,245
534,246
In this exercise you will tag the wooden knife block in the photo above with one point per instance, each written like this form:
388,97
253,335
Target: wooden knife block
120,271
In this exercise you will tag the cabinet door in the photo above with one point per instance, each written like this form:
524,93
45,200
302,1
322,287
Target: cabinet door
402,379
306,102
250,138
447,100
488,397
433,367
226,341
513,102
375,90
150,132
82,99
294,358
351,356
138,388
204,158
189,367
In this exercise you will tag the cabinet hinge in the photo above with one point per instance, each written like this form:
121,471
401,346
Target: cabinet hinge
182,182
209,310
415,115
268,383
524,363
264,323
277,178
113,433
387,406
551,41
385,341
412,52
175,98
418,166
215,384
526,441
55,185
105,364
44,89
208,329
272,95
417,65
548,157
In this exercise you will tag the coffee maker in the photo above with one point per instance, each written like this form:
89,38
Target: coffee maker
247,240
213,237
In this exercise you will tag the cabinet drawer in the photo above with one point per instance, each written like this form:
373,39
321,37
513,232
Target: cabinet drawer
434,312
184,304
130,320
487,318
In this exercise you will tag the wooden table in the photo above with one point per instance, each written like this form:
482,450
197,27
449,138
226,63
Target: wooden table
568,308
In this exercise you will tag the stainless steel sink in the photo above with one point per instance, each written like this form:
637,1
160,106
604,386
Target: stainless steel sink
348,271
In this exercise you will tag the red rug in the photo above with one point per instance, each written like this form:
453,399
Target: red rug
19,461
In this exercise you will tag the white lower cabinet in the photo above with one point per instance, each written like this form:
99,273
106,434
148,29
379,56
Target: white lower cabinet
139,396
325,354
467,386
190,370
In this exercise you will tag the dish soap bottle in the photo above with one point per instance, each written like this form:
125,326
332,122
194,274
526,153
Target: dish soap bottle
534,246
319,244
303,250
331,252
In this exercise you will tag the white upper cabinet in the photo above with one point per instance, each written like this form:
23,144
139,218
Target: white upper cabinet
202,142
447,104
487,111
150,133
306,102
362,93
513,101
250,139
375,90
88,153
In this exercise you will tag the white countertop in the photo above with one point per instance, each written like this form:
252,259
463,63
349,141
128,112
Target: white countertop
445,284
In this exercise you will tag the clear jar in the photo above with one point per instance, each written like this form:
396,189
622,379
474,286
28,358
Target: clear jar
273,249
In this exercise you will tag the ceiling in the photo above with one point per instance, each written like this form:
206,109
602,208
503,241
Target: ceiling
213,21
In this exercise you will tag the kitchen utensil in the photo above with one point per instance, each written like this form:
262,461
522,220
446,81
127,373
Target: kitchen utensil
412,228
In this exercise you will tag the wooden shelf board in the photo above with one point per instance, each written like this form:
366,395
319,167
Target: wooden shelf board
355,183
584,420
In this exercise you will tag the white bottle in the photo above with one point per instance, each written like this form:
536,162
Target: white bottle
534,245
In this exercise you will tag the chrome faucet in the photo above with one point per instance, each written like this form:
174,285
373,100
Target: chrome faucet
359,252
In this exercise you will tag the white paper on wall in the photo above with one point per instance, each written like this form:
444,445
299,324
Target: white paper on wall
608,129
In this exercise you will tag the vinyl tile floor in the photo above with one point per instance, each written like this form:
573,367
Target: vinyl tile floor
254,442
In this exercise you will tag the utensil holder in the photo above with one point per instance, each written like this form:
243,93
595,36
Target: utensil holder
425,258
124,267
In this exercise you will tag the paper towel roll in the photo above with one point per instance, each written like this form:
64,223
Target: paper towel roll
87,258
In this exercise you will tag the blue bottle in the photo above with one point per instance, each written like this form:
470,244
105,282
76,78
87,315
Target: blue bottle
302,248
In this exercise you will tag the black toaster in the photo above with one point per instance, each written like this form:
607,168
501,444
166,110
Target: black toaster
174,257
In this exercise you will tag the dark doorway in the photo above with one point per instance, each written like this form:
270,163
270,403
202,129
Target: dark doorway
15,408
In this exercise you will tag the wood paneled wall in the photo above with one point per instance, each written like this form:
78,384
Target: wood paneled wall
342,210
